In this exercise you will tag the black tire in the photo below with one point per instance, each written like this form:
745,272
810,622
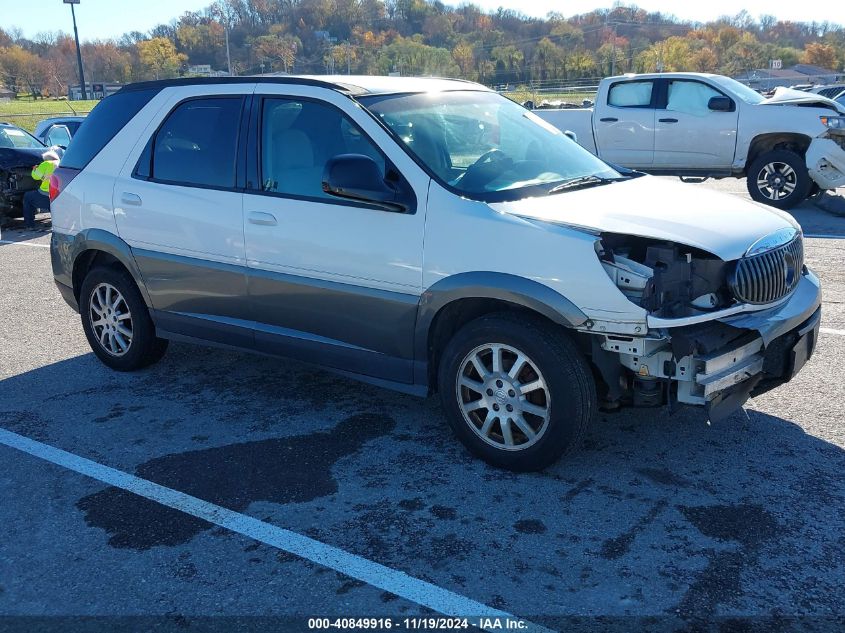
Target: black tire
569,384
143,347
778,178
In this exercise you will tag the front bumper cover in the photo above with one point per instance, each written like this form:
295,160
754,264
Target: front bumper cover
719,364
825,160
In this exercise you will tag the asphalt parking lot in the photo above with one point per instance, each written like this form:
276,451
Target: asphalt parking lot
658,515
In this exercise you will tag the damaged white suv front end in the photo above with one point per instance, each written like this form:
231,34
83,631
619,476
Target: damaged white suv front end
720,305
752,329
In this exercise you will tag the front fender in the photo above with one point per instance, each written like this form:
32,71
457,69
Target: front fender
489,285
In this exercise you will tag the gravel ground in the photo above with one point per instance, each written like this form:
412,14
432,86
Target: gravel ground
659,517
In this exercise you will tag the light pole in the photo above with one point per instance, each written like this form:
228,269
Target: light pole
78,49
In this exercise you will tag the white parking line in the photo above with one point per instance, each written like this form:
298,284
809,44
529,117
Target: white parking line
827,330
24,244
396,582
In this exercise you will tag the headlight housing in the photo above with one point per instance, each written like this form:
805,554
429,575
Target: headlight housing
833,122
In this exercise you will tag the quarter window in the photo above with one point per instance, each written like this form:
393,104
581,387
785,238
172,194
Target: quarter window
631,94
196,145
297,140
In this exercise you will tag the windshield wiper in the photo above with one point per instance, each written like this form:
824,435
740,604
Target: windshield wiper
582,182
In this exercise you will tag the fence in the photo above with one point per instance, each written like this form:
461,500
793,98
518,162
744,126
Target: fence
553,93
28,120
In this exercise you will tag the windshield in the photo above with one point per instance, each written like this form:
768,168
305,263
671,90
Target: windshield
12,137
483,145
749,95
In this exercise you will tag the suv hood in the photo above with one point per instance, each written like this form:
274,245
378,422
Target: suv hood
718,223
788,96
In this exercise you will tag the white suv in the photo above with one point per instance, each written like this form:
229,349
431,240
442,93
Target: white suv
426,235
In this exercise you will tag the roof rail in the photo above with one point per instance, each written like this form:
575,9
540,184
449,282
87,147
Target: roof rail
203,81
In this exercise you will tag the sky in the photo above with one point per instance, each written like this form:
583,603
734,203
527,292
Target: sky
101,19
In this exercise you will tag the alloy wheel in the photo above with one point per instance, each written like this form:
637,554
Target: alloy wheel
503,396
111,320
777,180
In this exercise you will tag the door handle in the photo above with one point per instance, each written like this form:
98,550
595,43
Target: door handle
130,199
609,119
668,120
262,219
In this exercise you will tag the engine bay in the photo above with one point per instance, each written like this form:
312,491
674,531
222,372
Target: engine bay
667,279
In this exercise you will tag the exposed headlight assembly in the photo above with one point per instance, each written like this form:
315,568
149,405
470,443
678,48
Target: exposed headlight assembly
834,122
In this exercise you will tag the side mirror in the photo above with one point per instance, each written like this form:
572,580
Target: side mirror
571,135
720,104
357,177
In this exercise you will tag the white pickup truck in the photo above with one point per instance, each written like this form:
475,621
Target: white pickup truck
701,125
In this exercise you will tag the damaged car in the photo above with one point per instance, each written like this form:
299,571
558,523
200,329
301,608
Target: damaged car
19,153
699,125
429,236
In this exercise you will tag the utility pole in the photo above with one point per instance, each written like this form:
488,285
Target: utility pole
78,49
218,10
228,57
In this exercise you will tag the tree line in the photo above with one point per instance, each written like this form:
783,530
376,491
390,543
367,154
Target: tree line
418,37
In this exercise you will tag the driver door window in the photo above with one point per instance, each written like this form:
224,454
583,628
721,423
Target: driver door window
297,140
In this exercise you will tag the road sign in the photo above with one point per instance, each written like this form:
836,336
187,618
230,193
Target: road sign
71,1
777,64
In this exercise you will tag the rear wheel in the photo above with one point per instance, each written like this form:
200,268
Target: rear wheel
116,321
779,178
516,391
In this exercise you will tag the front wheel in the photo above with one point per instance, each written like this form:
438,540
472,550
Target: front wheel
779,179
516,391
116,321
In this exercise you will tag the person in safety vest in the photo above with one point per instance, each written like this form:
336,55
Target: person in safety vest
39,198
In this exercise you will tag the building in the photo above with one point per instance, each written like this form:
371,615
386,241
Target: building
6,94
799,75
204,70
93,90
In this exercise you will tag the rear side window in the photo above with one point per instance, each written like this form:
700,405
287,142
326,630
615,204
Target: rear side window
196,144
631,94
100,127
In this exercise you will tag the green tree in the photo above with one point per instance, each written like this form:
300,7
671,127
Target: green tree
160,58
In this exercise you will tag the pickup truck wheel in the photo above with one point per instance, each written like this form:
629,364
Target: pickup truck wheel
116,321
516,391
779,179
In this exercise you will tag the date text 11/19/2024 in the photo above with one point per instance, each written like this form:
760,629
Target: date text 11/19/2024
416,624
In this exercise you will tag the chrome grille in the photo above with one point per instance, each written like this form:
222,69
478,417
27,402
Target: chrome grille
769,276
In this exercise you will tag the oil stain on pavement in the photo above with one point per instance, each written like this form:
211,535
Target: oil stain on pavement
283,470
749,525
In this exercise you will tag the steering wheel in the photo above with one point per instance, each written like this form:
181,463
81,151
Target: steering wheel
494,155
487,167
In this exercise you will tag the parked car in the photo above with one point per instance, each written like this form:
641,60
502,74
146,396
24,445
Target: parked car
19,153
701,125
830,91
57,131
425,235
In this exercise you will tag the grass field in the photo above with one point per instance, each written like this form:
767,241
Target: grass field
26,113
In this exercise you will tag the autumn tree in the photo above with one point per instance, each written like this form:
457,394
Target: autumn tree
822,55
22,70
160,58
